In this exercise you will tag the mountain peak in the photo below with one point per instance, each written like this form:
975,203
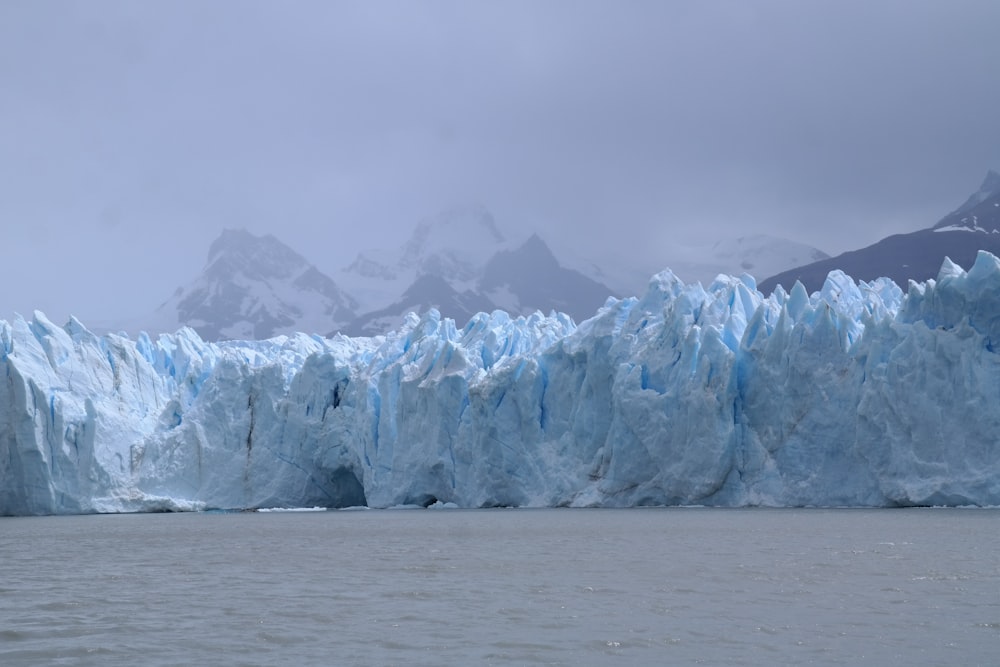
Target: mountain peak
534,246
238,252
991,183
530,277
453,244
238,241
468,233
990,189
256,287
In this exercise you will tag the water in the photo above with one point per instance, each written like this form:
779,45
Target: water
503,587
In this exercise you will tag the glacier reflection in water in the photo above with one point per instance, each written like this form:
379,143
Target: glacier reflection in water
503,587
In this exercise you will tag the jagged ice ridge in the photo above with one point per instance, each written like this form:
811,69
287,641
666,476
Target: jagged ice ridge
857,395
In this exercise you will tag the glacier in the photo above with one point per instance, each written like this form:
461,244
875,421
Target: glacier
857,395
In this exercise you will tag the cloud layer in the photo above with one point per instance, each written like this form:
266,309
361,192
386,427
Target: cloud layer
132,133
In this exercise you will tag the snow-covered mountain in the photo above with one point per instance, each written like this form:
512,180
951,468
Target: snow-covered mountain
529,277
980,213
453,245
959,236
519,280
459,263
254,287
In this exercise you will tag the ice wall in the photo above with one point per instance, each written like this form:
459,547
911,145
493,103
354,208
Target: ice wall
855,395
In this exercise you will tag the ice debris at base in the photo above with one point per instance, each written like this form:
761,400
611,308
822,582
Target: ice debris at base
857,395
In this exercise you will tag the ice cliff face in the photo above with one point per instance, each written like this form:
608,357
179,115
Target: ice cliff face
856,395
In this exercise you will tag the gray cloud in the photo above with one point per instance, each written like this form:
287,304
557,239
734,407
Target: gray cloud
131,133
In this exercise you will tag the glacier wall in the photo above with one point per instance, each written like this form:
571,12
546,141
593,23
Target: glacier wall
857,395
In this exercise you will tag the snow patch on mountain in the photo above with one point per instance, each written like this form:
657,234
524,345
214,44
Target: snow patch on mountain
989,190
459,263
453,245
253,287
979,213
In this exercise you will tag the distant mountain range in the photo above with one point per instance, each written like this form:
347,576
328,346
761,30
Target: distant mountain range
520,280
256,287
459,262
973,226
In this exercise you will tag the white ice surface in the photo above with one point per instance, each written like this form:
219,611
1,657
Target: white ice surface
856,395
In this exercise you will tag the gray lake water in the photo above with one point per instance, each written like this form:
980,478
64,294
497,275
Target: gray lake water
504,587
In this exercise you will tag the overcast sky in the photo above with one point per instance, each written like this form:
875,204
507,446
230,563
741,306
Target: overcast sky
132,133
